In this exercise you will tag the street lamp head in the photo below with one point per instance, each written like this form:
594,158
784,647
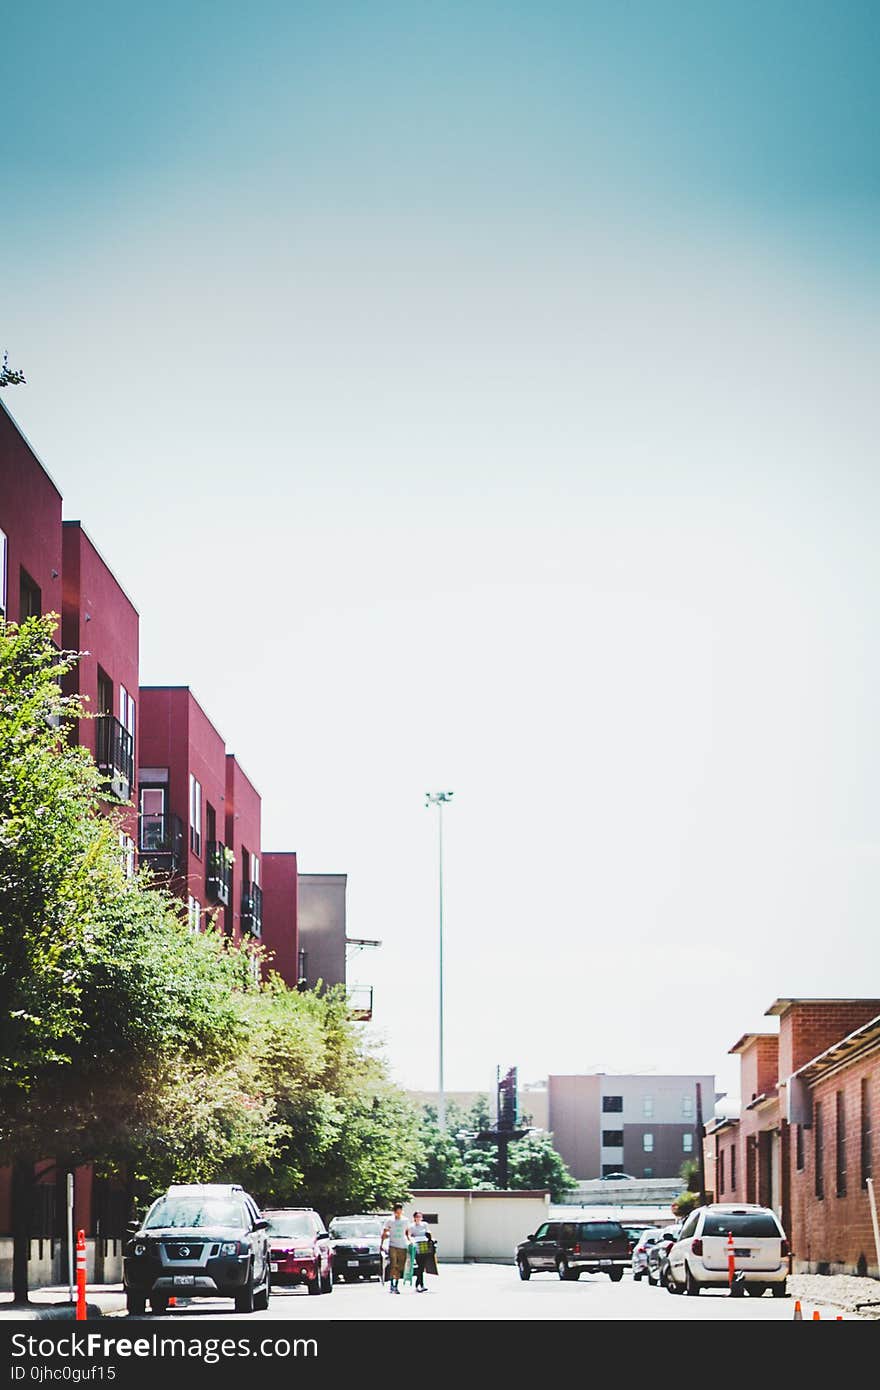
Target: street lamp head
433,798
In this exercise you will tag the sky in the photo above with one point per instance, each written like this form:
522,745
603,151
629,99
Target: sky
483,397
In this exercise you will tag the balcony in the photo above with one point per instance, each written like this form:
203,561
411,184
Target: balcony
360,1003
219,873
114,754
252,909
160,841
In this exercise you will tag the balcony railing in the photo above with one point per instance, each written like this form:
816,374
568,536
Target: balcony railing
360,1002
114,754
252,908
219,874
160,837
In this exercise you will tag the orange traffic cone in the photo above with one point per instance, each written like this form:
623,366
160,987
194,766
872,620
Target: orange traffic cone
798,1315
816,1317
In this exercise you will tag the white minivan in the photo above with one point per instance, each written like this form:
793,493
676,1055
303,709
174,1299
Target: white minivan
699,1258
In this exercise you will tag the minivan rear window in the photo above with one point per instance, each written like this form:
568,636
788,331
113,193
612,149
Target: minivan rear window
746,1224
601,1230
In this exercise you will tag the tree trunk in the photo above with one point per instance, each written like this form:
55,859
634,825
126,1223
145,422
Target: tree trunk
22,1202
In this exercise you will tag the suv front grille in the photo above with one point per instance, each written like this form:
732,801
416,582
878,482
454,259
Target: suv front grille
183,1250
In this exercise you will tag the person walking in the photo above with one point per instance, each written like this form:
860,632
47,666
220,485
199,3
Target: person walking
396,1232
421,1239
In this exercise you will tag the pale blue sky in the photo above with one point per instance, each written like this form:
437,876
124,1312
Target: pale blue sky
484,396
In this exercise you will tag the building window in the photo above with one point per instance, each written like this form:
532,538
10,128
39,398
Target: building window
648,1142
194,913
612,1138
612,1103
799,1148
687,1107
647,1172
30,598
195,815
648,1107
819,1141
840,1145
126,845
4,551
126,712
867,1166
733,1167
687,1143
720,1171
105,692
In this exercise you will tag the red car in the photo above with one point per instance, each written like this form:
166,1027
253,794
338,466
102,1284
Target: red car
300,1249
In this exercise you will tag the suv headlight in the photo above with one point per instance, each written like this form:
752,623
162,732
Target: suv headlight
304,1254
229,1247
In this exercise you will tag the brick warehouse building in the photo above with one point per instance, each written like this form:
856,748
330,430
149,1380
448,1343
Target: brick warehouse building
807,1139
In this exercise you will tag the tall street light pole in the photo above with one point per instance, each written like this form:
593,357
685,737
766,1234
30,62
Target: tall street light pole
437,799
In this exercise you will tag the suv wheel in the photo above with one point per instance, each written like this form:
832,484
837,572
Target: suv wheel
525,1271
780,1290
159,1302
755,1290
615,1275
649,1275
244,1301
692,1286
135,1304
562,1268
327,1283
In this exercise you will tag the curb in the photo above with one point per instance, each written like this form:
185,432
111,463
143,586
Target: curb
51,1312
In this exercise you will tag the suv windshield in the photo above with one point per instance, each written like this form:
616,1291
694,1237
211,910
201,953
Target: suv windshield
196,1211
343,1230
741,1224
291,1223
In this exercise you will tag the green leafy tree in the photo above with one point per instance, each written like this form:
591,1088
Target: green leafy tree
8,375
458,1157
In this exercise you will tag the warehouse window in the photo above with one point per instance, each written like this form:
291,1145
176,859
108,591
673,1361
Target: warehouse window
612,1103
840,1145
819,1141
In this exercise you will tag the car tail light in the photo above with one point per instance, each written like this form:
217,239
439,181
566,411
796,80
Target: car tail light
785,1248
575,1249
697,1246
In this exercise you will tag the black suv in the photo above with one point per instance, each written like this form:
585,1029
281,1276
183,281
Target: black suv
201,1240
571,1247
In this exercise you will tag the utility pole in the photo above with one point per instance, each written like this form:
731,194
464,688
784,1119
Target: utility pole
438,799
701,1134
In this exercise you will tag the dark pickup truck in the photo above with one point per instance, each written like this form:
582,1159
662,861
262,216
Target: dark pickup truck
570,1247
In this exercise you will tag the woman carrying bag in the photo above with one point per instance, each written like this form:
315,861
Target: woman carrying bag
424,1248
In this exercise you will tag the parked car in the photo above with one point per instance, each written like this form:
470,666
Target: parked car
618,1177
699,1257
634,1234
201,1240
355,1244
300,1249
639,1256
572,1247
657,1253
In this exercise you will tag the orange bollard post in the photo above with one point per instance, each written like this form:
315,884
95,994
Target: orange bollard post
80,1276
816,1317
731,1262
798,1315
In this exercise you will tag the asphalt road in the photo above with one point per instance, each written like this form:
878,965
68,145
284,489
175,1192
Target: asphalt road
484,1292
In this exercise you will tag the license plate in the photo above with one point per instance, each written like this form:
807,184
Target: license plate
743,1253
604,1262
181,1280
274,1268
355,1263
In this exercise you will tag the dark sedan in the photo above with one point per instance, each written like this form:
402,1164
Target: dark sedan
356,1252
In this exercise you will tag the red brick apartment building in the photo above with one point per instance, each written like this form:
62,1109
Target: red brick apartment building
807,1137
30,531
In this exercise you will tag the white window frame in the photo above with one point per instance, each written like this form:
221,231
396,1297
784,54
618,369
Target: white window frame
648,1107
4,565
687,1107
255,869
194,914
687,1143
648,1142
195,815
